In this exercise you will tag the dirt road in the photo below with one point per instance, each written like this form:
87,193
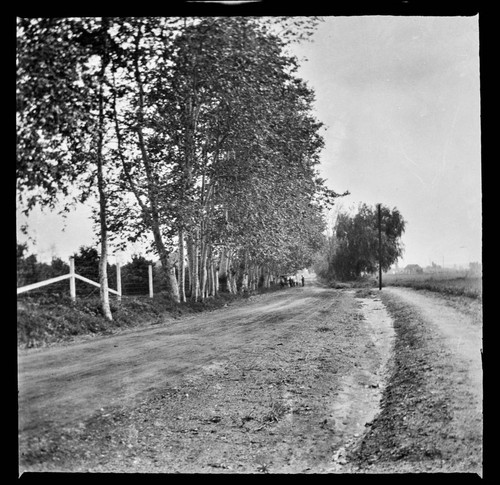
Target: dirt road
288,382
285,360
60,385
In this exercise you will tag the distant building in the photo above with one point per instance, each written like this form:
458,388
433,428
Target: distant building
413,269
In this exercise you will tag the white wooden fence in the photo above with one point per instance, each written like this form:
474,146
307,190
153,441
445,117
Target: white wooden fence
72,276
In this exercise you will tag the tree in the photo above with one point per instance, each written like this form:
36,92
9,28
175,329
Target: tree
355,242
143,204
60,116
87,262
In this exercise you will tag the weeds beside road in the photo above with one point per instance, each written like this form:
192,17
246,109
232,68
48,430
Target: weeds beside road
46,320
452,283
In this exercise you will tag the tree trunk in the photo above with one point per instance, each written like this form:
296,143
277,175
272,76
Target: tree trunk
189,250
195,294
182,270
211,279
244,283
229,272
223,276
232,274
154,216
267,278
103,262
164,256
203,269
216,280
231,282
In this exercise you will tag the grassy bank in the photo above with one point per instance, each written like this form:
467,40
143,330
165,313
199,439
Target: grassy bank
452,283
48,319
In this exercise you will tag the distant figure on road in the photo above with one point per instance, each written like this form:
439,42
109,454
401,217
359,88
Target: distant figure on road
302,278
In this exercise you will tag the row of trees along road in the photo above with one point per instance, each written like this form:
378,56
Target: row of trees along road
194,134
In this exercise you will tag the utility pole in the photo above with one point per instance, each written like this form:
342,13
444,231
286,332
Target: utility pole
379,247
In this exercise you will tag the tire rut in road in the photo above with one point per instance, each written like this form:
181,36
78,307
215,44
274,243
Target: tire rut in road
358,402
429,420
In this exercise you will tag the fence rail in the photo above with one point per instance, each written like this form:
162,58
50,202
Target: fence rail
72,276
90,282
34,286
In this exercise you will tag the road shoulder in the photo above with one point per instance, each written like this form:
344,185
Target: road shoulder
430,420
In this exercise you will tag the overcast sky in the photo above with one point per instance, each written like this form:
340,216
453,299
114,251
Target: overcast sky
400,99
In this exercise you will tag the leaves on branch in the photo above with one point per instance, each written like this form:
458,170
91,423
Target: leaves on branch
207,129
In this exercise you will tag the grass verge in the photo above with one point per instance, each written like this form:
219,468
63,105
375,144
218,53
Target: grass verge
49,319
451,286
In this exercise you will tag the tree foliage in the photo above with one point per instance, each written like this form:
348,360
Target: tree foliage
60,117
55,95
354,246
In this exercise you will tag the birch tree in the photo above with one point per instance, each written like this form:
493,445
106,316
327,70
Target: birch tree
143,148
61,67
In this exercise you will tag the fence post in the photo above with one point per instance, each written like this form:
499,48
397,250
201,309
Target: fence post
72,281
119,281
150,268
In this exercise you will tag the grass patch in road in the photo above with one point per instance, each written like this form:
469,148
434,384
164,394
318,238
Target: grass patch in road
277,411
365,293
